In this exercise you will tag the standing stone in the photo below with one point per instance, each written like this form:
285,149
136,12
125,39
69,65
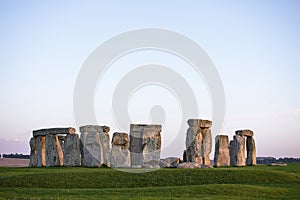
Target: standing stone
240,159
33,161
206,145
52,155
40,151
120,154
71,150
145,145
232,153
95,146
222,158
194,145
198,141
251,151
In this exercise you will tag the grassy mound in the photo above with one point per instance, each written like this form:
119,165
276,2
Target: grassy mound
231,183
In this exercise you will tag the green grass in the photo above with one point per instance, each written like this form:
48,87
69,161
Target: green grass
258,182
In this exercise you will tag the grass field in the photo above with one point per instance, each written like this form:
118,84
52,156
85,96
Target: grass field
258,182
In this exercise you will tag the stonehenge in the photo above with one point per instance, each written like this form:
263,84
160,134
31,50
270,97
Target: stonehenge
141,148
198,142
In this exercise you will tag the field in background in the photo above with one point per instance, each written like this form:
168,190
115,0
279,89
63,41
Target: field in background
13,162
258,182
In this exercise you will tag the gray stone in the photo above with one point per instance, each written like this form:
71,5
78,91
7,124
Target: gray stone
171,162
53,131
33,161
222,157
54,154
194,145
206,146
145,144
40,151
198,141
95,146
94,129
120,154
189,165
245,132
72,150
200,123
232,152
240,158
251,151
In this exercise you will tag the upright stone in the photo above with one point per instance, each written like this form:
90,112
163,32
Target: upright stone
251,151
232,153
198,141
120,154
151,145
72,150
95,146
33,161
145,145
206,145
222,158
40,151
52,155
240,158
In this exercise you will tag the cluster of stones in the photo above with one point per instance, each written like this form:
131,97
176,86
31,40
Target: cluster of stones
140,149
233,153
198,142
63,147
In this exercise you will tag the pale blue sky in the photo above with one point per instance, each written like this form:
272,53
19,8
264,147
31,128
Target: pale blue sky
255,46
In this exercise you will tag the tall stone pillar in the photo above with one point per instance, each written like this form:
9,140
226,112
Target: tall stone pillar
120,154
222,157
240,158
95,146
71,149
251,151
145,145
198,141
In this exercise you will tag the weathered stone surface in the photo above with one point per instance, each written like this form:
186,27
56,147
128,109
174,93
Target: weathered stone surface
95,146
240,158
222,157
120,154
198,141
184,156
94,129
33,161
206,146
244,133
251,151
40,151
170,162
72,150
145,145
192,165
53,131
193,144
54,155
232,152
200,123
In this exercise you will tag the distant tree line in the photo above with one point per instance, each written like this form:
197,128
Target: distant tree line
269,160
15,155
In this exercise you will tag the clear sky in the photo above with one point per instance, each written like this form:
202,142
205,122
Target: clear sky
255,46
